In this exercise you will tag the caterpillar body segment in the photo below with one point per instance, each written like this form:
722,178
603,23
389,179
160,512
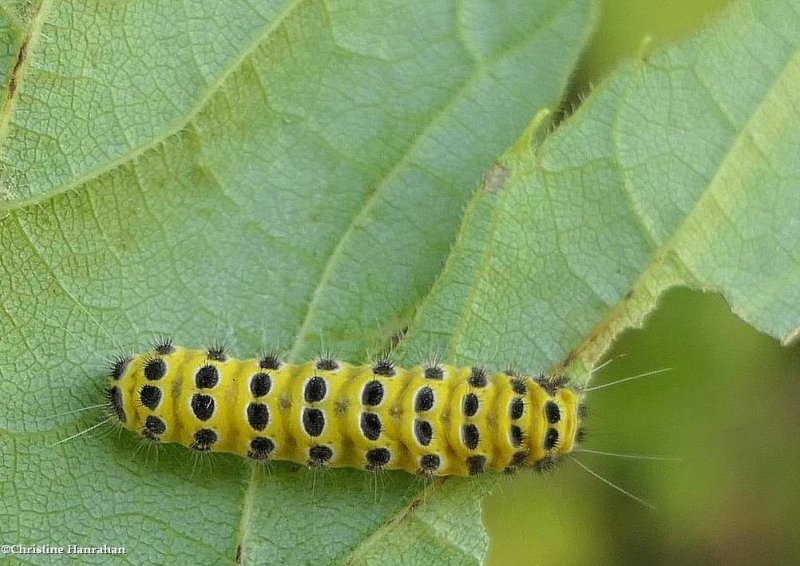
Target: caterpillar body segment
432,420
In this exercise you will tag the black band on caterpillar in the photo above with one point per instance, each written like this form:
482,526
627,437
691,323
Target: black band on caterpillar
432,420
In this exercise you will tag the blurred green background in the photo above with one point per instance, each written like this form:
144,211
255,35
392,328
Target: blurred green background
728,410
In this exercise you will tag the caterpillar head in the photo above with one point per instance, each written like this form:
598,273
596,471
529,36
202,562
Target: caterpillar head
559,425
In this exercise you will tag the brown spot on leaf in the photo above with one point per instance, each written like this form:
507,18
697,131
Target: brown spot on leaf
22,54
495,178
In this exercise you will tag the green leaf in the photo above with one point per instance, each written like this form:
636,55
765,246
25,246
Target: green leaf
680,170
291,174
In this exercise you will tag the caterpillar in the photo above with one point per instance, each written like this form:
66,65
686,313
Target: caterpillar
432,419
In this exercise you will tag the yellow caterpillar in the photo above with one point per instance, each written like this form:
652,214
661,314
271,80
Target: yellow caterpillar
431,420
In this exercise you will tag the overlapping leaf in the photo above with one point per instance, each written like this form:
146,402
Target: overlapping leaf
292,175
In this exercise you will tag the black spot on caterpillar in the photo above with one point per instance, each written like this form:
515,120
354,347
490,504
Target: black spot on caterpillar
432,420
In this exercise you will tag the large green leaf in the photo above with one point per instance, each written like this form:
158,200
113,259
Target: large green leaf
314,208
289,175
